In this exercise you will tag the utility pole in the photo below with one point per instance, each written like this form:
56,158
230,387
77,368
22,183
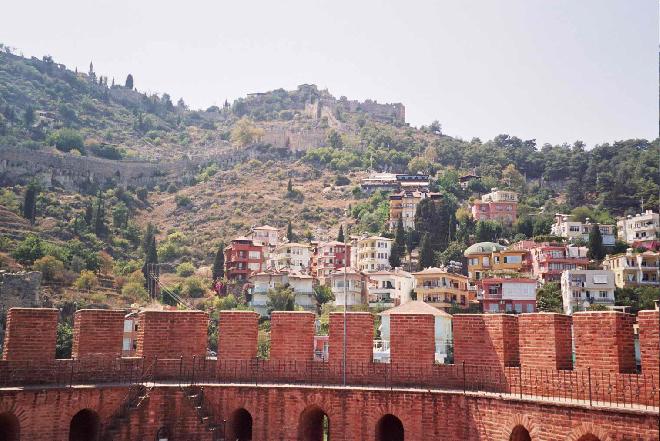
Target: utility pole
346,256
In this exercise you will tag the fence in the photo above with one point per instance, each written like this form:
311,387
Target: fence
587,387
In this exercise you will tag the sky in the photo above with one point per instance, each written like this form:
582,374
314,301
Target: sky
551,70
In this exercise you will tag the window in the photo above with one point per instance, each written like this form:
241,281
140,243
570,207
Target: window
602,294
512,259
255,255
518,307
494,307
530,307
509,307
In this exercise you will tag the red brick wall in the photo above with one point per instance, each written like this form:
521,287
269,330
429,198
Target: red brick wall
604,341
486,339
237,335
31,334
359,336
98,332
292,336
649,342
171,334
545,341
412,339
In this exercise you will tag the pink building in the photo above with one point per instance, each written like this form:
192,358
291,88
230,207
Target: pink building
549,260
498,205
330,256
508,295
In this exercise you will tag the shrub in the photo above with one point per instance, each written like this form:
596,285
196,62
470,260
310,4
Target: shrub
185,269
87,280
51,268
194,287
66,140
341,180
182,201
134,291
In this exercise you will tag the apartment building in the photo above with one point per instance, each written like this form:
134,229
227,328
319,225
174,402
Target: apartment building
442,289
403,205
243,256
633,269
328,257
500,295
574,230
395,182
499,205
640,230
302,285
266,234
550,260
582,288
488,258
291,255
355,292
373,253
386,289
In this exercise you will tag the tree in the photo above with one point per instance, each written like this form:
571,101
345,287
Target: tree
150,258
334,139
218,270
129,82
322,295
340,235
548,298
66,140
289,186
64,340
30,202
425,252
87,280
488,230
399,244
281,298
99,216
120,215
29,116
29,250
245,132
289,231
596,249
453,252
51,268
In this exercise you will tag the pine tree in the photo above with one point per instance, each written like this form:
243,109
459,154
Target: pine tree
596,248
129,82
218,270
425,252
30,202
340,235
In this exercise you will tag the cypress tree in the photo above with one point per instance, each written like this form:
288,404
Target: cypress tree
289,231
218,270
596,248
289,186
340,235
30,202
150,263
425,252
399,245
99,217
129,82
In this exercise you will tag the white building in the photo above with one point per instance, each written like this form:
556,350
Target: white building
265,281
355,292
634,269
500,196
266,234
582,288
641,227
386,289
291,255
572,230
373,253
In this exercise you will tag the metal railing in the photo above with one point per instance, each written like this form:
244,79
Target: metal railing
586,387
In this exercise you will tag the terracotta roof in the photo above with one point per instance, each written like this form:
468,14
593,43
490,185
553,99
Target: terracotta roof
416,307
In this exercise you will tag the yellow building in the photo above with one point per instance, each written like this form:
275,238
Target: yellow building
634,269
404,205
492,258
442,289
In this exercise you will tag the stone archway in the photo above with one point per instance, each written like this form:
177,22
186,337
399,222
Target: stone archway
85,426
240,425
314,425
588,432
389,428
520,433
10,427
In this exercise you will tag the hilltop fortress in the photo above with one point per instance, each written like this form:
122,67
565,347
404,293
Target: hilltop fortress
513,378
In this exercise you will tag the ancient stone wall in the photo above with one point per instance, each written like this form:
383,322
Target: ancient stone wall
20,289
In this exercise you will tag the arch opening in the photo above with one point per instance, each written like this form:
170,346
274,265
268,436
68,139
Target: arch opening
389,428
10,427
519,433
588,437
85,426
314,425
240,425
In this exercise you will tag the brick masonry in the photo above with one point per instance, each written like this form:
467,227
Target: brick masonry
649,342
98,332
171,334
359,337
604,341
292,336
486,340
237,335
412,339
31,334
545,341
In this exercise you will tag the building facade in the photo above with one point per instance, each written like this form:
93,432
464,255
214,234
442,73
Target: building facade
501,295
302,285
633,269
574,230
291,255
498,205
583,288
442,289
355,292
373,253
386,289
328,257
550,260
403,205
243,257
489,258
642,229
266,234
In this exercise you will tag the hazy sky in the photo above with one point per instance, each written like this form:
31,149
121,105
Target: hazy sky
553,70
